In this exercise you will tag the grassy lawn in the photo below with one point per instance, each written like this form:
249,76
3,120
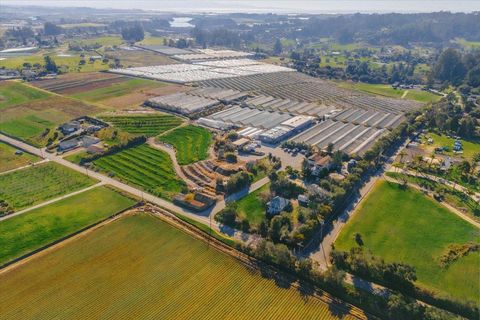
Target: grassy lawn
103,41
33,185
9,160
26,232
406,226
116,90
145,167
13,93
387,91
149,124
140,267
455,198
251,206
469,147
191,143
152,41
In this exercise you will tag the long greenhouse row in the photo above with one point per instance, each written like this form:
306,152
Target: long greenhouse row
370,118
248,117
347,137
291,106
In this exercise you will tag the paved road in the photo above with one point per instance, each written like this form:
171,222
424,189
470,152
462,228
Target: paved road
50,201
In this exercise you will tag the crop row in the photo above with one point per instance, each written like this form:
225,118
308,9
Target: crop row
145,167
149,125
39,183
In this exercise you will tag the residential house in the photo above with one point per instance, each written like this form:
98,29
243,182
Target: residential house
277,205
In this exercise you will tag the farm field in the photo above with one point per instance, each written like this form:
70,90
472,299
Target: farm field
13,93
141,267
139,58
75,83
9,160
145,124
33,185
103,41
388,91
24,233
191,143
145,167
393,222
35,121
251,206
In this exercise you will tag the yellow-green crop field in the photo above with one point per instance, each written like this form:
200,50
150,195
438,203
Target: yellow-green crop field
139,267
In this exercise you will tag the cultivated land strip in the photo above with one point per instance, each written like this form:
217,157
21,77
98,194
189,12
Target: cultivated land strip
25,167
50,201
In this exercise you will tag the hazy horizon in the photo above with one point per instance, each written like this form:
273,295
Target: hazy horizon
266,6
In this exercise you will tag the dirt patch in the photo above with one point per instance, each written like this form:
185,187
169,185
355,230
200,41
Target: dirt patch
139,96
73,83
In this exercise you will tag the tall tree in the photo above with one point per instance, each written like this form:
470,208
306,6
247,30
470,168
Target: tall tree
277,48
450,67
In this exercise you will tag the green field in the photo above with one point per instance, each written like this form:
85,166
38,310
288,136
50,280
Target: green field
66,63
152,41
13,93
31,230
117,89
406,226
251,207
469,147
139,267
387,91
145,167
149,124
9,160
191,143
33,185
103,41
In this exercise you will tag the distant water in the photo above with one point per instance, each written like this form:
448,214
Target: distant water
181,22
265,6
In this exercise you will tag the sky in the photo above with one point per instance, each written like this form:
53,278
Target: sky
265,6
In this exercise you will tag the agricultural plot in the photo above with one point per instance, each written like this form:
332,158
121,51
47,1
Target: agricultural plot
145,167
393,222
33,185
9,160
24,233
35,121
141,267
116,90
144,124
191,143
139,58
13,93
388,91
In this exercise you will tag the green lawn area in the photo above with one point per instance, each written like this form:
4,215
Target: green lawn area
26,232
13,93
387,91
66,63
468,44
33,185
469,147
139,267
9,160
191,143
406,226
147,124
251,207
116,90
103,40
152,41
145,167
